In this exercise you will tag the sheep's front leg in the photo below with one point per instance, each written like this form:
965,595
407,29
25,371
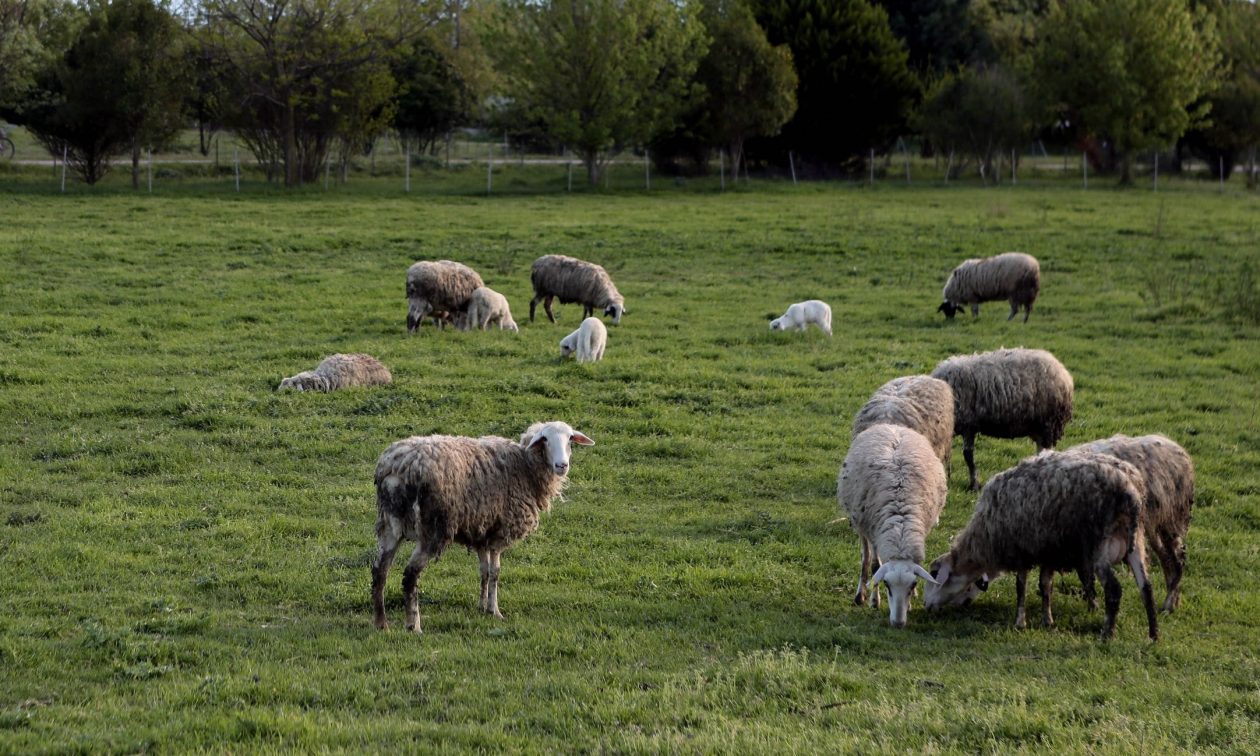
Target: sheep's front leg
969,454
533,304
486,562
1021,593
865,546
1047,590
493,603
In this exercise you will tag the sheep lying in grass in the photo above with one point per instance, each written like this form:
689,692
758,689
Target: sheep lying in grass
487,306
1012,276
439,289
587,342
338,371
802,314
1059,511
893,487
482,493
1008,393
572,280
918,402
1168,473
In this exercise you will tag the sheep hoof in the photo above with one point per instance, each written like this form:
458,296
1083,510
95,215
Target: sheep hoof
381,624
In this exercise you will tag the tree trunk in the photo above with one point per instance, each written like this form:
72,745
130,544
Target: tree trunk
135,165
1126,168
591,160
292,173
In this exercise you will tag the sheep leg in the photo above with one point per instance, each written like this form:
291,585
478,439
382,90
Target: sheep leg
533,303
423,553
1021,593
975,309
587,311
1047,590
875,564
860,598
1014,310
493,603
547,306
483,559
1088,591
1111,599
969,454
387,541
1027,311
1172,559
1137,563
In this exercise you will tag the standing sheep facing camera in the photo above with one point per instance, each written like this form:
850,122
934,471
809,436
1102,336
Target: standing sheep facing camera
339,371
1168,473
483,493
572,280
1013,276
486,306
1059,511
587,342
919,402
893,487
436,288
802,314
1008,393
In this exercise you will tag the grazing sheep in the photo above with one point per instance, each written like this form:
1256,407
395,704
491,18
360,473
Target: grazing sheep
486,306
338,371
893,487
574,280
1013,276
1059,511
801,314
439,289
918,402
482,493
587,342
1008,393
1168,473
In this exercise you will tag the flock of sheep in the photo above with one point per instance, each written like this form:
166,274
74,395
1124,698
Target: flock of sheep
1081,510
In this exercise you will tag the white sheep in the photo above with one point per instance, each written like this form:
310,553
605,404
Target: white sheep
587,342
893,487
1059,511
1008,393
482,493
572,280
802,314
918,402
485,307
339,371
1013,276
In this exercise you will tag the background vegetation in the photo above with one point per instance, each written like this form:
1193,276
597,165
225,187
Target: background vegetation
184,552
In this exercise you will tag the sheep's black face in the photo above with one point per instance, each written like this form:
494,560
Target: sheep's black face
948,308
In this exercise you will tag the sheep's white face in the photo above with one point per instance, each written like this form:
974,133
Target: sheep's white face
953,588
900,576
554,438
615,311
568,345
776,324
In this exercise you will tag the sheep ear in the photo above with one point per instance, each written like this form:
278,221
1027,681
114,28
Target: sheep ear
879,574
582,440
918,570
536,440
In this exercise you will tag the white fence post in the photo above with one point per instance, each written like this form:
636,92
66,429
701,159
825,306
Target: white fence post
236,165
490,165
150,151
647,170
64,154
792,165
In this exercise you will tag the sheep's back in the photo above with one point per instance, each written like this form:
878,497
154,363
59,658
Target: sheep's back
1009,393
572,280
445,284
345,370
919,402
998,277
1167,470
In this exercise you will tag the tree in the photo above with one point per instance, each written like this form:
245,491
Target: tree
1130,71
977,112
432,98
34,34
1234,130
599,75
856,88
939,35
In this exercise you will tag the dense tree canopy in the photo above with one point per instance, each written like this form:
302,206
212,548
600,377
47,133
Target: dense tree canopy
1234,126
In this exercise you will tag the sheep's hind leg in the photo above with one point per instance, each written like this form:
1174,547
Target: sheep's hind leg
533,304
1171,550
387,540
493,595
1046,584
1021,593
1014,311
485,558
969,454
547,306
1111,599
421,556
1137,563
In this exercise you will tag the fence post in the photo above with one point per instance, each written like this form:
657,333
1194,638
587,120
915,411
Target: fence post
792,165
722,167
1155,180
327,169
236,165
949,166
570,165
647,170
64,154
407,168
150,151
1221,160
1013,178
490,164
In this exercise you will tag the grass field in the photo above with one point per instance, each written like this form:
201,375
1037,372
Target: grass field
184,552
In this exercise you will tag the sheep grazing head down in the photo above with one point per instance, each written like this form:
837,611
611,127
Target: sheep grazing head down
951,588
305,381
899,575
615,311
552,439
949,308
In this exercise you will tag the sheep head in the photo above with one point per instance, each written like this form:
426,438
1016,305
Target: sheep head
553,440
900,575
953,587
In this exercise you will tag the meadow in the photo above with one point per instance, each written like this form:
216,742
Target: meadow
184,551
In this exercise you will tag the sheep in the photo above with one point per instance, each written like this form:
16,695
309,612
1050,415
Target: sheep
1168,473
338,371
587,342
574,280
439,289
893,487
918,402
482,493
802,314
1058,511
486,306
1013,276
1008,393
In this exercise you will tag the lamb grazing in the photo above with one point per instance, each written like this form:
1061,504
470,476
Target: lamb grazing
1059,511
802,314
574,280
1008,393
1013,276
1168,473
587,342
486,306
482,493
918,402
338,371
434,288
893,488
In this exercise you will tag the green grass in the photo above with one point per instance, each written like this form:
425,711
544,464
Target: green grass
184,552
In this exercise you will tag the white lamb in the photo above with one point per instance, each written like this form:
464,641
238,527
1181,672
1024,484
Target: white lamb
802,314
587,342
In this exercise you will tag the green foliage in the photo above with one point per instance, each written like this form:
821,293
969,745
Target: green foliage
33,36
1130,71
1234,125
940,35
432,97
184,552
856,87
979,113
597,75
